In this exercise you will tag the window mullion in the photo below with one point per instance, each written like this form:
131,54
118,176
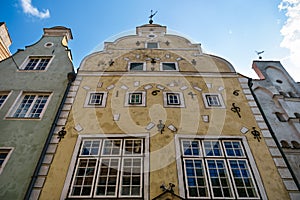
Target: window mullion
31,106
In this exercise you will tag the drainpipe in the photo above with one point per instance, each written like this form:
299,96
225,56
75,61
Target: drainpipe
250,84
71,78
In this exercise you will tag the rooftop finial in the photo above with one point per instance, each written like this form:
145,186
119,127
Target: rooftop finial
151,16
258,53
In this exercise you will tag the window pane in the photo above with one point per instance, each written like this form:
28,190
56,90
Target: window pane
43,64
131,177
24,106
133,146
136,66
3,155
111,147
96,98
135,98
152,45
31,64
107,177
191,147
168,66
212,148
233,148
219,178
213,100
37,63
173,99
83,180
90,147
195,178
2,99
38,106
242,179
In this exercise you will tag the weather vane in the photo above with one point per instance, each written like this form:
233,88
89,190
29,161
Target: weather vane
151,16
258,53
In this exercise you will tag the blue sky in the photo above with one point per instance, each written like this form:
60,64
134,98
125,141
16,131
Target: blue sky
232,29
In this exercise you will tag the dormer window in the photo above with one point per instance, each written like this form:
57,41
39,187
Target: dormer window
152,45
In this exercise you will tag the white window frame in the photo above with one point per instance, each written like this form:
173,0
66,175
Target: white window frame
153,43
166,100
175,63
144,156
144,66
10,149
88,98
220,100
128,95
27,60
19,100
2,93
248,158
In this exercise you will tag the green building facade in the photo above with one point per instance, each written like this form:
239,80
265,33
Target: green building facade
32,89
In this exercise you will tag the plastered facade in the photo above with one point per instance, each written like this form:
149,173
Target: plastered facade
195,75
279,98
26,135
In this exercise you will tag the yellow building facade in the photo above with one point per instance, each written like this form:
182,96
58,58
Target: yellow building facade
153,117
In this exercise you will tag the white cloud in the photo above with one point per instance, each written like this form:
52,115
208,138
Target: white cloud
291,31
29,9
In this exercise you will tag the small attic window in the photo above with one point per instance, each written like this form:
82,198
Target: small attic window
293,94
279,81
152,45
280,117
297,115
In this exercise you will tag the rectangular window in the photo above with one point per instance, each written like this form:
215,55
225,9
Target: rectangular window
152,45
37,63
137,66
31,106
4,156
213,100
95,99
217,168
109,168
173,99
168,66
137,98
